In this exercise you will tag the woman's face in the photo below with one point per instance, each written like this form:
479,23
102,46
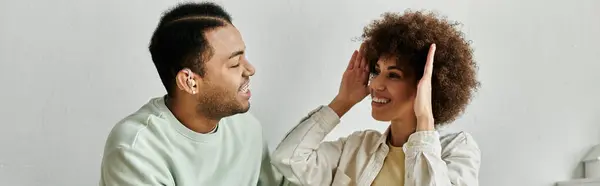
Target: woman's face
393,89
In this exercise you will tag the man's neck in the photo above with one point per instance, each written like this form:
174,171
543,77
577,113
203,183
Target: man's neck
187,115
400,131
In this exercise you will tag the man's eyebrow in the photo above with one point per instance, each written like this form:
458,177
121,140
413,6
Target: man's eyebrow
236,53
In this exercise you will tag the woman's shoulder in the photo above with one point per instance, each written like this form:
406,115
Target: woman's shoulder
456,137
453,142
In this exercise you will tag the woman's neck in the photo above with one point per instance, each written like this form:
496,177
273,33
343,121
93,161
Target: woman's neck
400,130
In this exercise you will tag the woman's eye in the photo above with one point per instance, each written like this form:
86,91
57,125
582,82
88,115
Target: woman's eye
394,75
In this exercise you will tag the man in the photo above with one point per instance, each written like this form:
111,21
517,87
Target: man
200,132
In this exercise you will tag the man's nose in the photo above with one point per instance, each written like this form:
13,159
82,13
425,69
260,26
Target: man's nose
249,69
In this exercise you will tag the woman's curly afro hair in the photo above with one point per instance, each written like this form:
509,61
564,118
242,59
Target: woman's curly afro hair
408,37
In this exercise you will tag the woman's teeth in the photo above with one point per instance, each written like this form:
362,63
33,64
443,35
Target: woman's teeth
380,100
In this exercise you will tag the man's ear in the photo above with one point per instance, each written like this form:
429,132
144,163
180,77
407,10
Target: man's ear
187,81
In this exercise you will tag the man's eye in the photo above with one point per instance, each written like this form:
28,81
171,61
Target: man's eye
235,66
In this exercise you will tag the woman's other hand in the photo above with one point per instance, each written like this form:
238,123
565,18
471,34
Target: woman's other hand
422,106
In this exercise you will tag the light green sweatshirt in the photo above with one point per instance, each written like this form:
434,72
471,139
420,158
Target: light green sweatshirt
151,147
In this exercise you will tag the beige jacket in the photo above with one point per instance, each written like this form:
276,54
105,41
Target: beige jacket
302,157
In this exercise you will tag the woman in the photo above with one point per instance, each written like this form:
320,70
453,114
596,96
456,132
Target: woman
408,89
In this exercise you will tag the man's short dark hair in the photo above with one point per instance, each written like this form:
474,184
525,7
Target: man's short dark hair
179,41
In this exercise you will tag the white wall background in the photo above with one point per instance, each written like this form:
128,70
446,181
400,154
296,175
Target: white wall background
71,69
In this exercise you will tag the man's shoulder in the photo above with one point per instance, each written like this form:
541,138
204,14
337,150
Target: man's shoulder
127,131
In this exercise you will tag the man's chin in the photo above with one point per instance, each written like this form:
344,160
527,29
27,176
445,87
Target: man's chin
244,107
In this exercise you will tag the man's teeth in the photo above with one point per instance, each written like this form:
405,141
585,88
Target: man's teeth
245,88
380,100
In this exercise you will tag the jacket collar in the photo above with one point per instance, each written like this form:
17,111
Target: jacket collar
382,140
384,137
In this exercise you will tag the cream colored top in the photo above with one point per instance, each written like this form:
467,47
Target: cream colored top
392,171
431,159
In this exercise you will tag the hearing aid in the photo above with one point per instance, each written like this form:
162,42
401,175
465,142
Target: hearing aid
190,81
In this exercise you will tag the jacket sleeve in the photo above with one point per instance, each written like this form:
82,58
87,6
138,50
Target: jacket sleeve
425,165
269,176
302,158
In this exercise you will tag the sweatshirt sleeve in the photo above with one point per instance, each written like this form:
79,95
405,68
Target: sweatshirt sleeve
124,166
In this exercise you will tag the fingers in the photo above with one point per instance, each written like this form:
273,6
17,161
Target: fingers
358,59
363,60
352,60
429,63
364,77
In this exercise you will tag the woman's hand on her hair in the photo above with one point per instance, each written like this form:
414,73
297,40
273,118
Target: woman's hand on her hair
353,87
422,106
